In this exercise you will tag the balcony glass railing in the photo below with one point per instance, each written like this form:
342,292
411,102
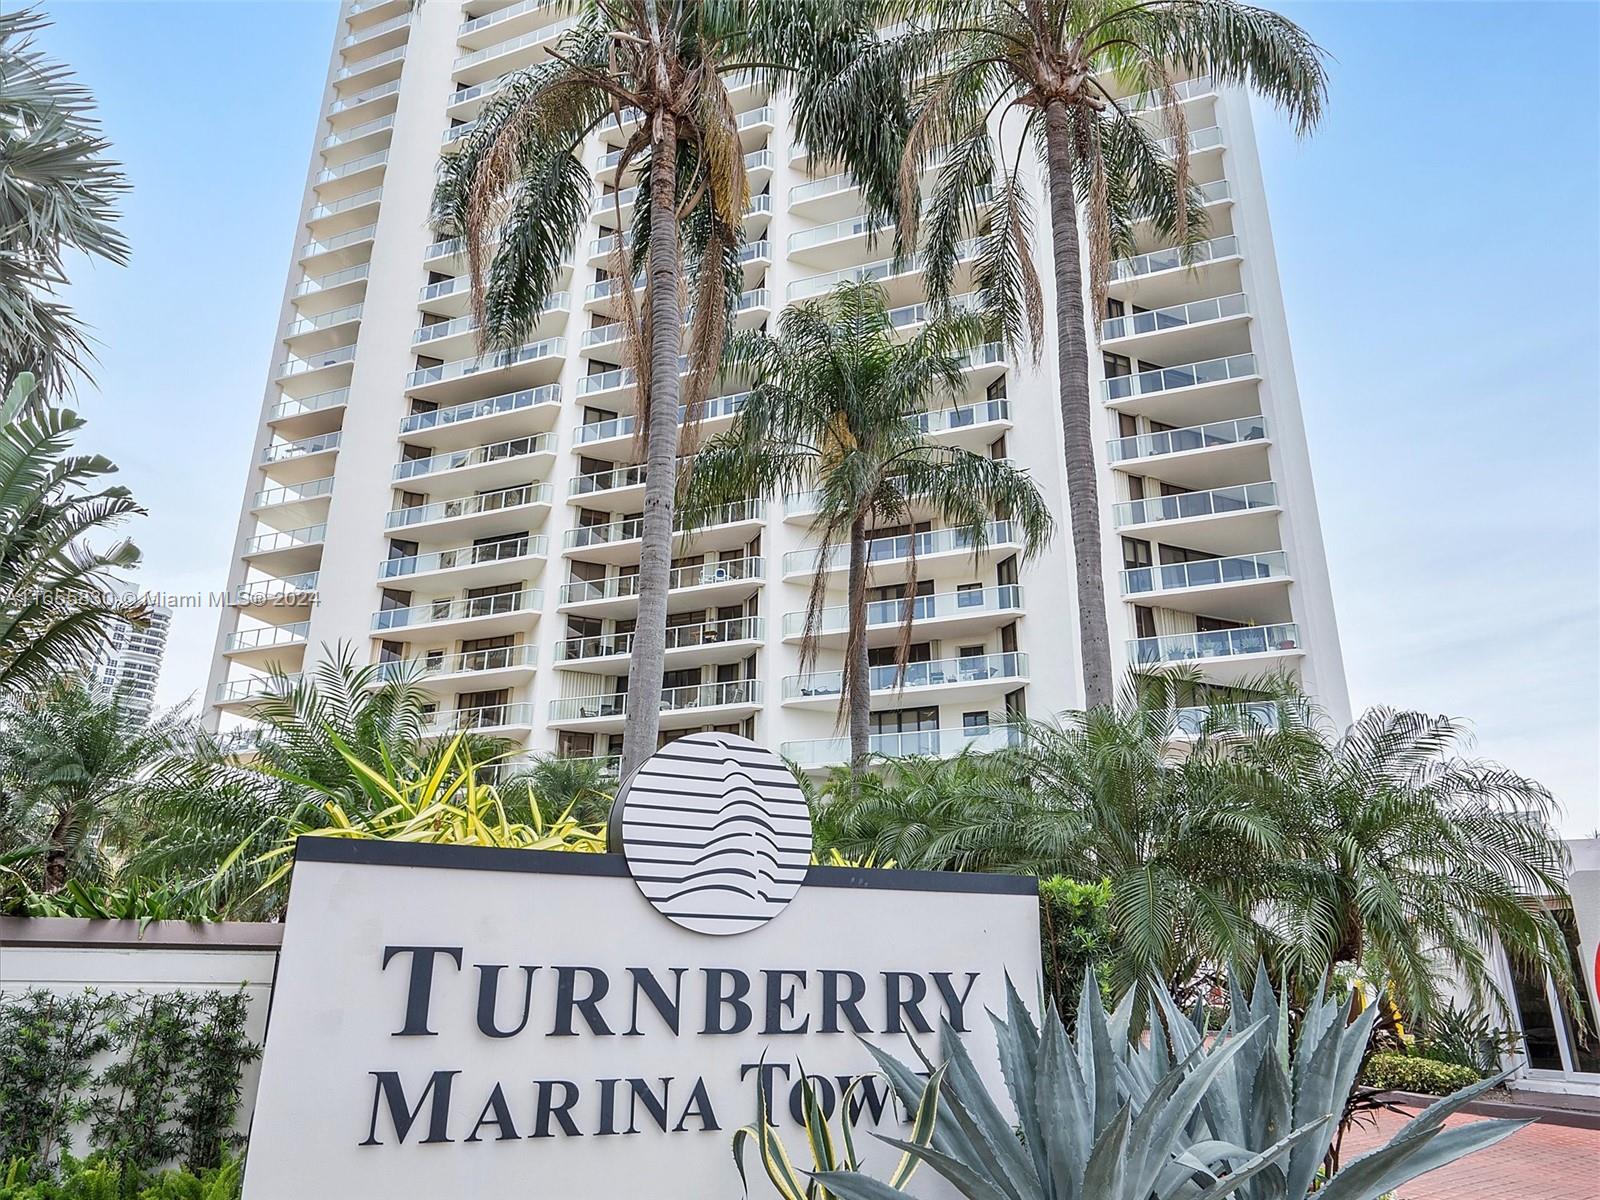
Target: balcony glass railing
467,506
268,636
947,420
618,587
498,658
286,539
1192,437
1217,502
268,590
916,314
842,182
366,97
943,672
1167,379
1260,716
436,611
381,28
492,716
445,287
338,242
354,167
455,460
914,743
363,65
290,407
695,695
335,207
608,201
633,527
333,279
535,37
1173,259
437,418
1187,89
679,637
937,541
336,357
715,407
1214,643
350,312
607,481
970,602
1157,320
554,302
462,367
850,227
365,129
510,549
236,691
1205,572
280,452
503,14
1208,138
884,268
295,492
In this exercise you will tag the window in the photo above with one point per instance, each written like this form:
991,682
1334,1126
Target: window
974,723
1118,365
969,595
1136,553
1144,621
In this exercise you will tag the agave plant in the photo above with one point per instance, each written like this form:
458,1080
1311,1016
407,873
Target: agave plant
1270,1085
826,1153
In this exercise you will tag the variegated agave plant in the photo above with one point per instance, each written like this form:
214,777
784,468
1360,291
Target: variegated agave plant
1100,1116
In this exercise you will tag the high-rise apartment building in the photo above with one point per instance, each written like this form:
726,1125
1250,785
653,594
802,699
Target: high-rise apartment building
130,665
479,514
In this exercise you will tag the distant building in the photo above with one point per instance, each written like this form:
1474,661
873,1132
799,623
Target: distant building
131,664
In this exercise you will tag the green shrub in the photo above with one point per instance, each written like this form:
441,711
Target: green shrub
1075,937
96,1178
1406,1073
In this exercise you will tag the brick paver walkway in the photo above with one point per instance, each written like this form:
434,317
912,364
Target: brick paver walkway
1542,1162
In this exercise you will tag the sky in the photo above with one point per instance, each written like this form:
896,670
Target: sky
1458,166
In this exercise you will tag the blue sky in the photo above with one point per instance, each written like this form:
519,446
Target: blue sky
1440,257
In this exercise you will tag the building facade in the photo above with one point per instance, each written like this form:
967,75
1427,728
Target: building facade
130,665
478,515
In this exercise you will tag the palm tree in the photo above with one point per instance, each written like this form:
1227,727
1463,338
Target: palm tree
59,598
71,760
832,408
1401,850
58,191
519,181
555,787
971,85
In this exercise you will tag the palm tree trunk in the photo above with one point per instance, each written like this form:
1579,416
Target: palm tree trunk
643,720
1072,332
57,851
860,687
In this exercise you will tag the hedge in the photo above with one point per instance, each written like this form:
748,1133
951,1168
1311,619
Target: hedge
1404,1073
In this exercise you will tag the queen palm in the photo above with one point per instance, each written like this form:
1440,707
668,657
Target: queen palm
832,408
973,85
60,597
519,182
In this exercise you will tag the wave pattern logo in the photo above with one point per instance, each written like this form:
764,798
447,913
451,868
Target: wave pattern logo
716,833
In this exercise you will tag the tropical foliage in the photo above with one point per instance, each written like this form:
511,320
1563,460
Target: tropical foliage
59,597
983,93
58,194
1251,1112
831,411
1383,848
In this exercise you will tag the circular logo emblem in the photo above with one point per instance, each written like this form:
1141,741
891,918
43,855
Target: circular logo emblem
716,833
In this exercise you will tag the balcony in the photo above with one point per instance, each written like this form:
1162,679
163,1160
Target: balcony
946,544
1207,575
711,642
974,426
616,435
529,502
940,614
1255,642
487,615
334,288
728,528
921,743
365,136
470,32
386,30
244,692
340,250
490,467
1170,391
299,327
696,704
354,169
1188,440
492,63
512,720
1164,277
708,585
622,488
290,551
885,270
1192,506
349,104
454,336
270,601
313,366
1152,324
1251,717
347,208
500,666
305,503
268,644
837,241
946,679
449,380
1200,141
463,425
375,68
480,564
1188,89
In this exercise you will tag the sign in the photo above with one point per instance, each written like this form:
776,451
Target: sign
453,1022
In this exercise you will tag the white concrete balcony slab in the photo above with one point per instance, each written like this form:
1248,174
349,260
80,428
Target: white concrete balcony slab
268,645
275,601
823,753
1191,388
1238,587
368,72
512,558
298,504
526,505
480,468
458,426
1198,457
710,643
471,617
526,366
1178,331
358,106
285,551
681,707
945,680
493,62
326,255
